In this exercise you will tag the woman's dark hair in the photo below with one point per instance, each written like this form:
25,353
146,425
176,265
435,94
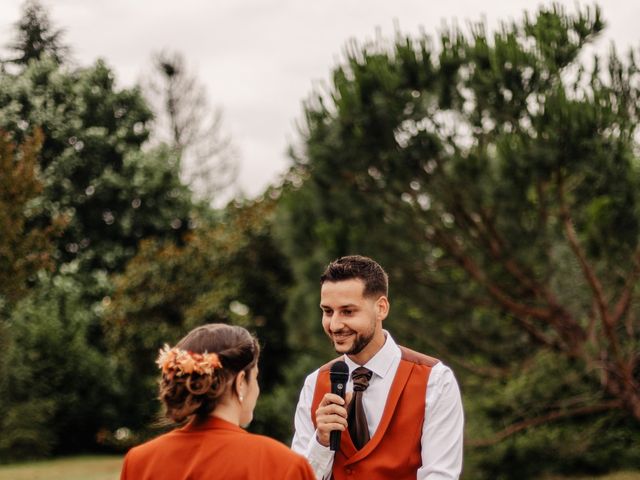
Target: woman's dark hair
196,394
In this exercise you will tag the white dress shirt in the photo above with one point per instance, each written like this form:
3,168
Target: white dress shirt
442,430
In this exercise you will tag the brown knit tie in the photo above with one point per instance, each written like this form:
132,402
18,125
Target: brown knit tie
356,418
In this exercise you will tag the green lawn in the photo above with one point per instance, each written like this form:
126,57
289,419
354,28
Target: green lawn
74,468
108,468
613,476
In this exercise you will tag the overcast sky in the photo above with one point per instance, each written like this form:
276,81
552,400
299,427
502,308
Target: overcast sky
259,59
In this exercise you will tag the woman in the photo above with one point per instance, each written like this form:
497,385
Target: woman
210,379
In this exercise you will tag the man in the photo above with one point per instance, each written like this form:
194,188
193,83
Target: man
404,419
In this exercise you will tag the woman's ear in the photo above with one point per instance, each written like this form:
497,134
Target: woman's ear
239,384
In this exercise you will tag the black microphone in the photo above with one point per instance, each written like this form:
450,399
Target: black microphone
339,375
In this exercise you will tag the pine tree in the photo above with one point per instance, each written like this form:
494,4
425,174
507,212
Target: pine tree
496,176
36,37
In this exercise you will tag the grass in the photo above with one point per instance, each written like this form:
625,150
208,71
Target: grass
611,476
108,468
72,468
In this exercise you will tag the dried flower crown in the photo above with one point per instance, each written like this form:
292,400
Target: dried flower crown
175,361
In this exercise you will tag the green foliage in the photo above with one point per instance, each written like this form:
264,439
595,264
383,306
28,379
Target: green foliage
228,272
93,167
495,176
593,441
57,391
36,37
86,165
24,248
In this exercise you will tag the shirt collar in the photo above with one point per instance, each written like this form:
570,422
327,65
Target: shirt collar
381,362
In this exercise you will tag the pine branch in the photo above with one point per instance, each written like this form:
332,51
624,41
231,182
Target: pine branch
543,419
627,293
574,243
494,290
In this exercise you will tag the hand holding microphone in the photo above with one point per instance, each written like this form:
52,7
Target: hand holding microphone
331,416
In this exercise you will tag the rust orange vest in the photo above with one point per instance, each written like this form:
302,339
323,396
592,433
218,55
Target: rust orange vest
394,451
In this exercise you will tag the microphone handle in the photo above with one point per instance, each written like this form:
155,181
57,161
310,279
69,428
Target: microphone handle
334,440
334,436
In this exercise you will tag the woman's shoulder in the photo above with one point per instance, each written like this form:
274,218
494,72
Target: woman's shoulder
268,443
272,447
234,452
151,445
278,455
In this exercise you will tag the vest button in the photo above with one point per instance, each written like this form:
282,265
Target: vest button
349,471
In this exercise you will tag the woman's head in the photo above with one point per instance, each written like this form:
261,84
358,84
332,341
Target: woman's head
213,363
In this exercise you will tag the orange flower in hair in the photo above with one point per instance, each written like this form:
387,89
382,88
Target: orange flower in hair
175,361
188,364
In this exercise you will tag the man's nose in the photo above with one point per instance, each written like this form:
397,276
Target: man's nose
336,323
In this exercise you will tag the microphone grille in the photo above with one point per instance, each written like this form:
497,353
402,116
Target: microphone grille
339,367
339,370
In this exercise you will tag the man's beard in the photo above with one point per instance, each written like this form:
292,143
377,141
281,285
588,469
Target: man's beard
359,344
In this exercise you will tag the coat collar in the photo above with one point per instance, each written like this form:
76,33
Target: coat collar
210,423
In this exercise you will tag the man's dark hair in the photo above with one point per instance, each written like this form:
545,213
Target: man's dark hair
376,281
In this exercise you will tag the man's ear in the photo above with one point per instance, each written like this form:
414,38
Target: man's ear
382,307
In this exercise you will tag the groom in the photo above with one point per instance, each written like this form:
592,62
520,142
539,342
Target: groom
404,419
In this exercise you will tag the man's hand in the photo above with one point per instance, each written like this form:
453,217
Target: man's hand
331,415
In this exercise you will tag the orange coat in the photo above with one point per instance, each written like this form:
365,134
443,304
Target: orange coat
214,449
394,451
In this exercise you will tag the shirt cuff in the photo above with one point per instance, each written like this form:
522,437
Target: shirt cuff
320,458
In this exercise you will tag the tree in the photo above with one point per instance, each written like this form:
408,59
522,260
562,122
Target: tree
58,390
24,248
112,194
36,37
497,178
92,162
229,271
186,122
